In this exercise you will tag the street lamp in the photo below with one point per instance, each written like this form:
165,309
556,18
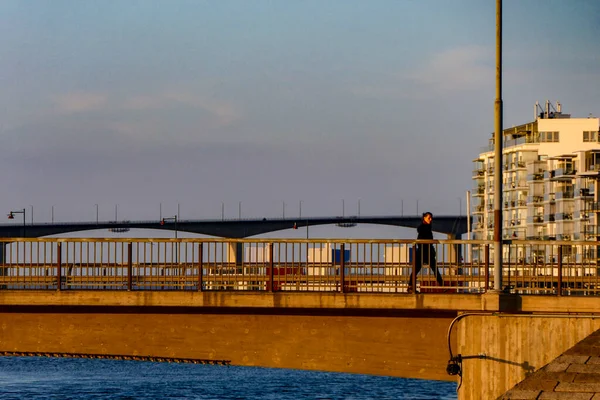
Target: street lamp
11,215
96,213
31,214
173,218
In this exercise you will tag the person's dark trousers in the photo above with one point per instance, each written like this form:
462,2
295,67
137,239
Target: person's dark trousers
426,254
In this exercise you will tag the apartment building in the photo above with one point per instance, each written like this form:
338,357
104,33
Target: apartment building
550,173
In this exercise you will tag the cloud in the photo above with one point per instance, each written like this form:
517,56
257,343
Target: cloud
224,113
453,70
449,72
76,102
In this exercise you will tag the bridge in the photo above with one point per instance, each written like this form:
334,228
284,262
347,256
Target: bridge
233,228
331,305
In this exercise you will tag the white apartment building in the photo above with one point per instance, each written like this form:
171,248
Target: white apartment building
550,174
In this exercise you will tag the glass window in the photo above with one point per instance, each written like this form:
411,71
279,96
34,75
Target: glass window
590,136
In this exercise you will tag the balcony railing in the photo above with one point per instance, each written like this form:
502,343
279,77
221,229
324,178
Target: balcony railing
535,199
592,230
567,194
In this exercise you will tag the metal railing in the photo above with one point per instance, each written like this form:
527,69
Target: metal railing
313,265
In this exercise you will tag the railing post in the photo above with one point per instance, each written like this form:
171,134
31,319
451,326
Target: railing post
58,267
200,266
486,256
560,272
342,268
129,266
270,273
413,276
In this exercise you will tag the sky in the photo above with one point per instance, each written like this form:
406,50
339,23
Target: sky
146,107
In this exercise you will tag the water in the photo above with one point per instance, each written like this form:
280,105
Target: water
63,378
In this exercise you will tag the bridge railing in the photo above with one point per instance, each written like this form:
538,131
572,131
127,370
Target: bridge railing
269,265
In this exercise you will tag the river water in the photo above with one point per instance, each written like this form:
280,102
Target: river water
65,378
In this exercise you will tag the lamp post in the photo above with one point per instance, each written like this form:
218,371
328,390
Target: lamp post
96,213
173,218
52,214
498,154
11,215
31,214
300,210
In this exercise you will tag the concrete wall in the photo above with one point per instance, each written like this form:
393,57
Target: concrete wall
394,345
515,346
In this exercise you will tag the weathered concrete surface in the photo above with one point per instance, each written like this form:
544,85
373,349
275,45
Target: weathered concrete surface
515,347
575,374
293,300
278,300
401,346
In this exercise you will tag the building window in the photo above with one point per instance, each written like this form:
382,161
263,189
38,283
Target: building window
549,137
590,136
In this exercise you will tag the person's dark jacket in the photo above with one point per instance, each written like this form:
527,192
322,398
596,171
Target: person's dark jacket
424,232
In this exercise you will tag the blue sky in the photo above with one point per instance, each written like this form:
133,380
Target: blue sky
199,103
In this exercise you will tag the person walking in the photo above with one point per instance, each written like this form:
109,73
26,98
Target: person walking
425,251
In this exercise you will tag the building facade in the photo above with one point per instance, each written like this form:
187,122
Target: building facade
550,173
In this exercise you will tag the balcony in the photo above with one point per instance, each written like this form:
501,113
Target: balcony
550,197
564,216
586,192
535,219
591,170
537,177
535,199
549,218
565,195
592,230
479,191
478,173
564,174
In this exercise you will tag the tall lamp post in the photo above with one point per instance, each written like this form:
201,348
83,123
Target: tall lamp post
11,215
498,154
